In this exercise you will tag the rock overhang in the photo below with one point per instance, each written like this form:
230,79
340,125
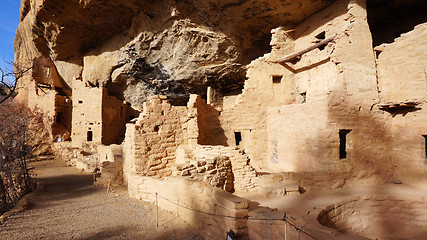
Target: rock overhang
69,29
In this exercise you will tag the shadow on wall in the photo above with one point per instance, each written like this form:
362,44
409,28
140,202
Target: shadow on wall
210,129
363,154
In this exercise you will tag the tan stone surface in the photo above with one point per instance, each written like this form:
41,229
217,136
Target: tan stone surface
402,67
338,115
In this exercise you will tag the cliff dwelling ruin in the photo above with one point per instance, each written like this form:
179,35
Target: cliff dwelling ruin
231,113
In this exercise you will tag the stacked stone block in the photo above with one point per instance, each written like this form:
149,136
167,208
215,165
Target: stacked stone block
224,167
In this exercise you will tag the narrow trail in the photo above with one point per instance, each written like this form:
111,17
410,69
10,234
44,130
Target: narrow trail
68,206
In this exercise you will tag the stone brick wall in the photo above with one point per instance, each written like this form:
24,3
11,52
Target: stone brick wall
227,168
189,199
87,113
50,94
409,145
402,67
297,109
402,78
96,112
308,87
150,144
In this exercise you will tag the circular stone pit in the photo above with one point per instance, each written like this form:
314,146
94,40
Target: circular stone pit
378,217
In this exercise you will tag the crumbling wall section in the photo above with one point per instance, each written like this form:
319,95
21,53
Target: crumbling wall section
151,143
227,168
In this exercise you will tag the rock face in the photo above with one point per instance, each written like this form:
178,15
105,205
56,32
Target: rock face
139,48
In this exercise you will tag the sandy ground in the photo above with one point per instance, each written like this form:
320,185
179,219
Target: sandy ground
68,206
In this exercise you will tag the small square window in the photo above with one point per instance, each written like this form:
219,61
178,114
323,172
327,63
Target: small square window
277,78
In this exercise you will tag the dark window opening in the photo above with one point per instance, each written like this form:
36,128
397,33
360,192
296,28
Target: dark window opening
321,36
60,91
80,101
295,60
425,146
303,96
156,128
389,19
179,100
277,79
343,142
238,137
89,136
59,117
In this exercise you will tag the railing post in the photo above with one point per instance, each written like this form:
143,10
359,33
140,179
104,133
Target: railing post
284,219
157,211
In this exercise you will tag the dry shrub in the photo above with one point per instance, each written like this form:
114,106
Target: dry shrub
23,133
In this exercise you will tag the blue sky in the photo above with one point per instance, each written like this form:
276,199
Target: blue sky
9,20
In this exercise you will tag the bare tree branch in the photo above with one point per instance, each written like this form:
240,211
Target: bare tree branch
9,79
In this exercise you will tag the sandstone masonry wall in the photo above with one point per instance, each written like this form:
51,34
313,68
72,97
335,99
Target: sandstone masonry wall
227,168
298,109
150,144
188,198
87,114
402,67
378,217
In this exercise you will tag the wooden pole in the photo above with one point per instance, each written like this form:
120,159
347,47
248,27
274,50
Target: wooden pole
108,188
297,54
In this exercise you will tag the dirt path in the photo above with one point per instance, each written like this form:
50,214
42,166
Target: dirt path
68,206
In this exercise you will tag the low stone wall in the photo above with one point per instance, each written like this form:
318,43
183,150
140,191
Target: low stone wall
267,223
378,217
195,202
227,168
214,169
